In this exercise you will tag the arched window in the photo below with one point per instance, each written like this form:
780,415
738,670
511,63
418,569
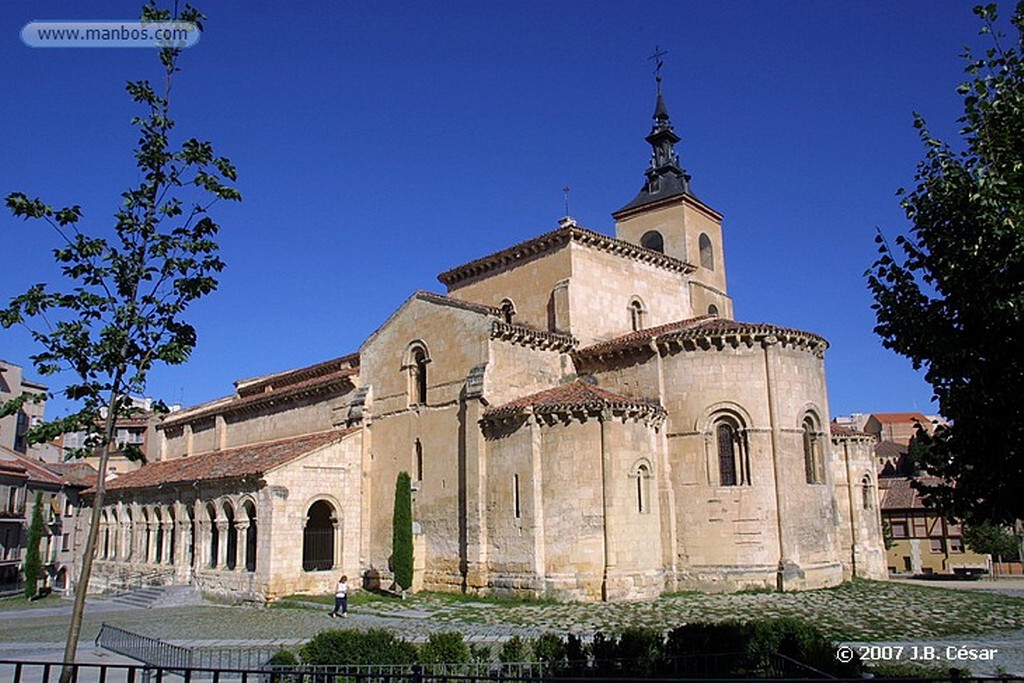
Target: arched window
707,252
642,472
416,363
713,310
418,455
231,560
508,310
105,525
867,493
653,240
211,516
250,536
814,462
731,447
159,550
318,538
636,314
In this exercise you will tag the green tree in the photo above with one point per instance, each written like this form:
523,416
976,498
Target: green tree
950,295
128,285
991,539
401,532
33,566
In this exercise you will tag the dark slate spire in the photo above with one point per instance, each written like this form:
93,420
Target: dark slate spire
665,177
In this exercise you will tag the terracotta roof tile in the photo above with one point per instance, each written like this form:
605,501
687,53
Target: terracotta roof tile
899,494
695,328
575,396
842,430
900,418
221,406
555,239
251,460
35,469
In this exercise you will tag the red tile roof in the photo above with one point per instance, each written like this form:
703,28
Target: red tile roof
553,240
708,326
842,430
900,418
243,461
313,385
36,470
578,395
899,494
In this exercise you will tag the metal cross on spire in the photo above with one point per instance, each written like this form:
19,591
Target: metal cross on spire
658,63
565,190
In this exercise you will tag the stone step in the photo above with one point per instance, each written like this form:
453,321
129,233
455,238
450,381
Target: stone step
158,596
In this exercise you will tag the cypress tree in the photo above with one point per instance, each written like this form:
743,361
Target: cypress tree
33,562
401,532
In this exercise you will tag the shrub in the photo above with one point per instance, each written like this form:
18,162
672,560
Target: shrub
375,646
401,532
33,566
515,649
444,648
283,658
549,648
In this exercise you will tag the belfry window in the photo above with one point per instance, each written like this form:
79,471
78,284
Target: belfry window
707,252
653,240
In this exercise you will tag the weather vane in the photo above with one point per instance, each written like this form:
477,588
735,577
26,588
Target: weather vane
658,63
565,190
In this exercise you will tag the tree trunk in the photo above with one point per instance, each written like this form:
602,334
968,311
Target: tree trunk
78,611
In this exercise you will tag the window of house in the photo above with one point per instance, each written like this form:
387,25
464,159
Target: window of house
956,545
517,511
654,241
937,546
508,310
707,252
712,310
418,454
867,493
899,528
642,473
636,314
730,445
417,366
814,465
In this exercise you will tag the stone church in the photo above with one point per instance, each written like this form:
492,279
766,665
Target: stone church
581,416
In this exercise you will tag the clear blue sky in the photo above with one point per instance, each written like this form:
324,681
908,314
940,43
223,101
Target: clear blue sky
379,144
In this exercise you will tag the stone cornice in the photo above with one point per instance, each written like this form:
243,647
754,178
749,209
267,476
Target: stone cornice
531,338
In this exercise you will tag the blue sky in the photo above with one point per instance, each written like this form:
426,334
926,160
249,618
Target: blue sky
379,144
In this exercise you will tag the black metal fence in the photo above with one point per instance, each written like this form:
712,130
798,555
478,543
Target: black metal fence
50,672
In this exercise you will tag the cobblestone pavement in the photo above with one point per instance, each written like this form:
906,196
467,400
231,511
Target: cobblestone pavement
858,613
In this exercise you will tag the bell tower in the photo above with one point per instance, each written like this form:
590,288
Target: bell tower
666,216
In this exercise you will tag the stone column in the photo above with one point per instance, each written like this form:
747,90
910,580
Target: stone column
241,548
165,552
202,552
152,527
222,543
339,539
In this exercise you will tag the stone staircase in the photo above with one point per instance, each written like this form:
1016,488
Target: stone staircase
159,596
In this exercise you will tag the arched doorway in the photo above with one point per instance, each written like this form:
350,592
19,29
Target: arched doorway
318,537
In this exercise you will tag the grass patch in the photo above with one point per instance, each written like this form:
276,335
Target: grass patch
19,602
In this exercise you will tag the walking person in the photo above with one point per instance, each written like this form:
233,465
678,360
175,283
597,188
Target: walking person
341,598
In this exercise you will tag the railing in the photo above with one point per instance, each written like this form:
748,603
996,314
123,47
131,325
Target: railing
143,648
49,672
